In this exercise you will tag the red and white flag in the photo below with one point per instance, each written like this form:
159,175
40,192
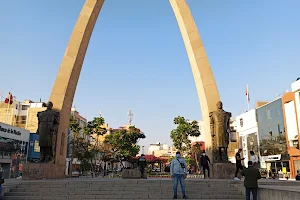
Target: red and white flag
248,97
9,99
247,94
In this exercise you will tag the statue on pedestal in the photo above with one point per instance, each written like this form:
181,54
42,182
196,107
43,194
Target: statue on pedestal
220,129
48,122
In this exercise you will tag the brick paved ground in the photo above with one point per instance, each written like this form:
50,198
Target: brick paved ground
122,189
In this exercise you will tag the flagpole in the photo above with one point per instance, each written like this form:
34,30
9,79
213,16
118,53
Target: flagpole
9,95
248,106
248,99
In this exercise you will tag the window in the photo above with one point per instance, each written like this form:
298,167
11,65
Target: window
25,107
278,112
296,144
23,119
269,114
36,146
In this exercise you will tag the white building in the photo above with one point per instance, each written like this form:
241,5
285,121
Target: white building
247,129
296,89
159,149
21,114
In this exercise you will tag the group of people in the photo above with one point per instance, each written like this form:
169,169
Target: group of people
178,171
251,174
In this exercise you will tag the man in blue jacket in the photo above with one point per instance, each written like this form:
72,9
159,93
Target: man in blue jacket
178,172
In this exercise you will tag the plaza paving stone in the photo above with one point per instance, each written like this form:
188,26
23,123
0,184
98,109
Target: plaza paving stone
122,189
88,188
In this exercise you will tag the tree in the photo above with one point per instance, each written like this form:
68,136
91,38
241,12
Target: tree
123,143
184,129
81,147
73,144
95,128
189,160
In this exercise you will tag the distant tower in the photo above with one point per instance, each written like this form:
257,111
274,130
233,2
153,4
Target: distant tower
130,116
100,113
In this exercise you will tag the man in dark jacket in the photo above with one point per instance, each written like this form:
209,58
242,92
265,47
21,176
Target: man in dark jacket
204,163
251,176
142,163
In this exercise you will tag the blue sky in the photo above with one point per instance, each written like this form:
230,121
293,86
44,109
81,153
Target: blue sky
136,58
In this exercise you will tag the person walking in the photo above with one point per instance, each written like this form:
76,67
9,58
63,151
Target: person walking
142,163
254,159
238,163
251,175
178,171
204,163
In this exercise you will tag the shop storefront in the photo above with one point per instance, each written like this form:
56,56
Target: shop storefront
13,149
278,165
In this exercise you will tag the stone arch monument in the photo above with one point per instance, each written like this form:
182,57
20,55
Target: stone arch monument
66,81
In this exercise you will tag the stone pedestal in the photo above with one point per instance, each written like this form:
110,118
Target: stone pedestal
132,174
223,170
38,171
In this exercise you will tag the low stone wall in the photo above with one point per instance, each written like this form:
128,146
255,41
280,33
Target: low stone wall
223,170
275,190
39,171
132,174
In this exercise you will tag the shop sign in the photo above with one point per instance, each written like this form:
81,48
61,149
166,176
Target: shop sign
10,130
274,157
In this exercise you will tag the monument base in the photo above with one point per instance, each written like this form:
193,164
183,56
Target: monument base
132,174
38,171
223,170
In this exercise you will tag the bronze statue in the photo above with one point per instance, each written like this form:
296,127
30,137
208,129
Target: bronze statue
48,122
220,129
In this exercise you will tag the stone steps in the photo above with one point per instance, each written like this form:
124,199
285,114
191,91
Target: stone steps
122,189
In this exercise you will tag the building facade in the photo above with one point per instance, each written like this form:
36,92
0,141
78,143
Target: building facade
291,111
247,129
234,143
31,117
159,150
13,149
272,137
21,114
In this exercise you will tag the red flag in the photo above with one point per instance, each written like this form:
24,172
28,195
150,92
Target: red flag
247,94
9,99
